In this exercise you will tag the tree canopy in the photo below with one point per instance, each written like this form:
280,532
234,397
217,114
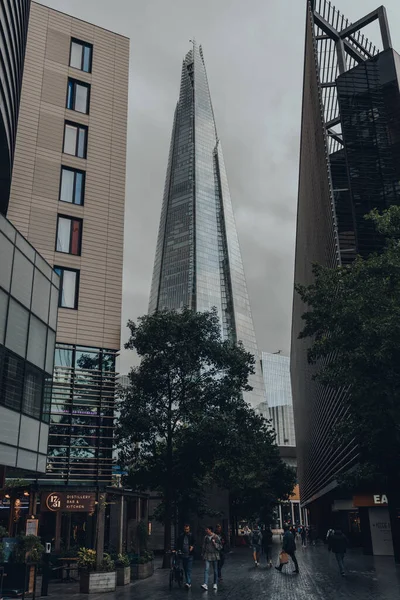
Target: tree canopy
184,426
353,321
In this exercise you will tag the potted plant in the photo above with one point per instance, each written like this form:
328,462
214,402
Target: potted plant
142,565
91,579
123,566
22,564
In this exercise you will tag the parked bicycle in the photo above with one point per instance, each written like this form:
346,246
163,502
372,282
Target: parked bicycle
176,572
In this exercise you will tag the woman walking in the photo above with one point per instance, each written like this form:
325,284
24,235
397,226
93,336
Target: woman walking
211,555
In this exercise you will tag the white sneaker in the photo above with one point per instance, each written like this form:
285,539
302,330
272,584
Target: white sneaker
205,586
215,587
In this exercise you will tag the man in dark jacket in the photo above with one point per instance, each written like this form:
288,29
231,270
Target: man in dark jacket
337,543
186,546
225,548
289,546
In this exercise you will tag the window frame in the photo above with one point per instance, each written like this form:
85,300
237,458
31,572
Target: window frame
77,284
77,126
75,172
84,45
70,218
75,83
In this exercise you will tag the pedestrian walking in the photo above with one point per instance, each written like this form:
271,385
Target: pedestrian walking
185,545
256,543
211,554
303,535
337,543
267,544
289,546
223,551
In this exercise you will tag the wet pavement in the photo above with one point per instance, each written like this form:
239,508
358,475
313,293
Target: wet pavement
367,578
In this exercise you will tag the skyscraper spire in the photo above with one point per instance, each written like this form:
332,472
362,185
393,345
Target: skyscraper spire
198,261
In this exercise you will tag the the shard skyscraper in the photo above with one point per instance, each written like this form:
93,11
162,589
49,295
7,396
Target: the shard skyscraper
198,262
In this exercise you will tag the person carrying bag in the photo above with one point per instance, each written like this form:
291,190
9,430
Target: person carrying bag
288,549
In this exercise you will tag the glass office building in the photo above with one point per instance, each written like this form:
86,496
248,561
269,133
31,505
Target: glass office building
29,291
198,262
278,389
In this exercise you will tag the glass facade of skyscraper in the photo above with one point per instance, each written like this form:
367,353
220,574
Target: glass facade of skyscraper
198,262
276,373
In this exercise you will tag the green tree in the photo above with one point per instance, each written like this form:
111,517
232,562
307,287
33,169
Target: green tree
354,324
187,374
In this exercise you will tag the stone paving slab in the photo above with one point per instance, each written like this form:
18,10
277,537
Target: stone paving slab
367,578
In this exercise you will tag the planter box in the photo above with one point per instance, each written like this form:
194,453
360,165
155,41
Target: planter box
38,589
123,575
97,582
142,571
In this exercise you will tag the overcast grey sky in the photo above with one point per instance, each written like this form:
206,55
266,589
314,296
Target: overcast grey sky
254,57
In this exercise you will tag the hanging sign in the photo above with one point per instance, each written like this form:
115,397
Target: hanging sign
68,502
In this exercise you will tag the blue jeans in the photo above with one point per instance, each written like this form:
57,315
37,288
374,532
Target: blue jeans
340,561
214,563
187,563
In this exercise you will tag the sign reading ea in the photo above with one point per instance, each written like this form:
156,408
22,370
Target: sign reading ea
380,499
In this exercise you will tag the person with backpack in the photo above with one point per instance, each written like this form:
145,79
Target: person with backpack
267,544
289,546
256,543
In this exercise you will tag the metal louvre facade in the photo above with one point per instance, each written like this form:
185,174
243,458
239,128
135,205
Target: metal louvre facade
349,164
198,262
81,416
14,17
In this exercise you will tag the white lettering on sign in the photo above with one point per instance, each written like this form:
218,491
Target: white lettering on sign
378,499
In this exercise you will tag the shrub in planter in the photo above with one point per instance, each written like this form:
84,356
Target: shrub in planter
123,566
142,565
92,579
28,549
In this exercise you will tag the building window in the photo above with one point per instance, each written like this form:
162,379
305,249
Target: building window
69,287
33,392
69,235
78,96
75,139
81,56
72,187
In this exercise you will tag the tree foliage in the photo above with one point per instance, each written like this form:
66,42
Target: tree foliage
184,426
354,324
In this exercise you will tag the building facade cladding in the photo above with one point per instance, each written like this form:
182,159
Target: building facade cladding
276,374
198,262
369,104
67,198
317,461
14,16
349,164
29,290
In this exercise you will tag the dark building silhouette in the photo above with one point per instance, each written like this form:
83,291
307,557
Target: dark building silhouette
349,164
14,17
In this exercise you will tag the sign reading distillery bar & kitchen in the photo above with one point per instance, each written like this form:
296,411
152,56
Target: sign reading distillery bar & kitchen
68,502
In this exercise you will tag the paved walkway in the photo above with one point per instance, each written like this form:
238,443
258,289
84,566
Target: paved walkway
367,578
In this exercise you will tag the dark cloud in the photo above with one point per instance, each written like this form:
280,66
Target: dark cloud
254,58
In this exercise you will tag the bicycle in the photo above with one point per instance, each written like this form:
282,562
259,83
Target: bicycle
176,572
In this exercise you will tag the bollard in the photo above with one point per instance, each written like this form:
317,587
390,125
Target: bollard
46,570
